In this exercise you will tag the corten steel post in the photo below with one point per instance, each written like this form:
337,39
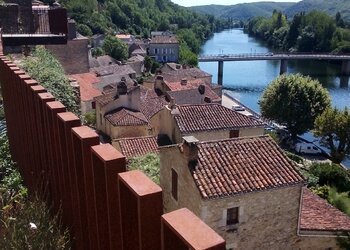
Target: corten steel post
141,205
182,230
107,164
30,133
52,110
41,100
37,135
71,209
83,139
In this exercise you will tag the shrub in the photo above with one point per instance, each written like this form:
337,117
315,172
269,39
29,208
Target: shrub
47,70
332,175
149,164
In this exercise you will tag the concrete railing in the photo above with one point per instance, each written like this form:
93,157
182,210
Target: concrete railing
103,206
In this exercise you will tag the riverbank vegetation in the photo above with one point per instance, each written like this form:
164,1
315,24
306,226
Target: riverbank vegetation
294,101
141,17
333,127
312,32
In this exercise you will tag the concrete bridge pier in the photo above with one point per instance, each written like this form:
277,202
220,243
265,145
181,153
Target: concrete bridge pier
220,72
345,69
284,66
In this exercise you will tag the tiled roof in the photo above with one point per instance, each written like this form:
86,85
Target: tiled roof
138,146
318,215
126,117
150,103
242,165
101,61
111,94
207,117
188,73
164,39
86,81
114,69
192,96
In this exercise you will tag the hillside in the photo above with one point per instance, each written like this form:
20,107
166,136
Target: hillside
242,11
330,7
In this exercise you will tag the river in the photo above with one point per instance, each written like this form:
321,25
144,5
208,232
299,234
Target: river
247,80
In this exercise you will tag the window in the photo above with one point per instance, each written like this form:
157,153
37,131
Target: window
232,216
234,133
155,51
93,105
174,184
100,118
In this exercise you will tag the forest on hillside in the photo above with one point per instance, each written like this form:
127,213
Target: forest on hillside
312,32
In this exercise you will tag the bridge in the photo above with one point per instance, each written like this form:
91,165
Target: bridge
282,57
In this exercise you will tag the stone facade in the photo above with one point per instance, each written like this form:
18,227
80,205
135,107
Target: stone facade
266,220
73,56
164,52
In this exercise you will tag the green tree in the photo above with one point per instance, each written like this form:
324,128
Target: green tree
339,20
115,48
187,56
331,175
333,126
294,101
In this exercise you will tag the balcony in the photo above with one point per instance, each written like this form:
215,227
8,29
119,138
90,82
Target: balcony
43,25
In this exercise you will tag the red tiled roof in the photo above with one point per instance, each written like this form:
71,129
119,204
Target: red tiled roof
86,80
150,103
318,215
164,39
188,73
242,165
138,146
126,117
207,117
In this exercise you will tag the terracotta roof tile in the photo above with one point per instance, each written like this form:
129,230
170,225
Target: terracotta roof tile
150,103
114,69
138,146
207,117
164,39
126,117
188,73
318,215
86,82
241,165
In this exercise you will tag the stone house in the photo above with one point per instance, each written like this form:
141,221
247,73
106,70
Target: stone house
164,48
126,111
137,63
204,121
88,91
249,192
101,61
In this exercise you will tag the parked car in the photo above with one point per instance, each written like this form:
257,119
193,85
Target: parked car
238,108
307,148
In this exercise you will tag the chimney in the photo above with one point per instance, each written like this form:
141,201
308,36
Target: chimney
190,148
72,30
183,81
122,88
178,66
207,99
201,89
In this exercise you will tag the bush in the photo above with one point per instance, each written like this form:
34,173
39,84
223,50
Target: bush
47,70
149,164
90,119
331,175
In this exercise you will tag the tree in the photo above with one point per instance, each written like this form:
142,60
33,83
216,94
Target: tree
333,126
339,20
294,101
187,56
115,48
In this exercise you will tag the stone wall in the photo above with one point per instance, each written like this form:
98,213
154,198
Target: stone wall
171,53
73,56
188,194
267,219
117,132
9,18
